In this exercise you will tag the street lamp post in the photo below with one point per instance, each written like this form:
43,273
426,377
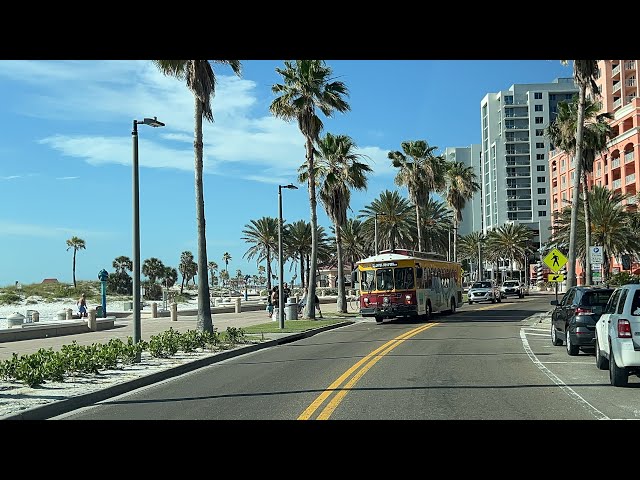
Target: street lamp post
152,122
281,263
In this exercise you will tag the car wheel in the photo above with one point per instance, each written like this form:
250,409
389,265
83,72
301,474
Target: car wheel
470,302
619,377
493,300
378,319
428,312
601,362
453,306
500,299
572,349
554,337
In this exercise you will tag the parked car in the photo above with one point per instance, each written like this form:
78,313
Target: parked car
573,321
483,292
512,288
618,335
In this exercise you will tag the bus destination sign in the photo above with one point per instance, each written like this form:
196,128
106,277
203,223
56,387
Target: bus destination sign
385,264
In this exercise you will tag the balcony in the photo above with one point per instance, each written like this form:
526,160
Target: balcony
555,190
628,157
630,179
615,163
615,70
521,185
617,183
629,98
630,65
617,103
616,86
632,201
630,82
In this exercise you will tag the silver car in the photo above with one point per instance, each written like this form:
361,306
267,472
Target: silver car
483,292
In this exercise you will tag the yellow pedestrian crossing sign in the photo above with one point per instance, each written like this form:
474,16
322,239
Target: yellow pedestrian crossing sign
555,260
556,277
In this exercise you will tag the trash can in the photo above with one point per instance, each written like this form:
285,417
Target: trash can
291,309
99,311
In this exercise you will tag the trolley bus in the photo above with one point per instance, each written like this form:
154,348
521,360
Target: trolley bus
404,283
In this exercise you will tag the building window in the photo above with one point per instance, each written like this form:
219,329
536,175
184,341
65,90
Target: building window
542,191
540,168
552,96
562,163
541,179
542,213
539,144
539,120
539,156
537,95
542,202
539,132
538,108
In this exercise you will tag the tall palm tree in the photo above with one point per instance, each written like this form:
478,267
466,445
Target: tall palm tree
226,258
353,241
297,244
512,240
420,171
201,81
470,249
213,269
262,234
307,87
436,224
187,267
584,74
396,223
597,132
122,263
76,244
338,171
460,185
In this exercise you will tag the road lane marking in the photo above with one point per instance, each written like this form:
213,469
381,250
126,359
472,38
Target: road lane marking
366,363
566,388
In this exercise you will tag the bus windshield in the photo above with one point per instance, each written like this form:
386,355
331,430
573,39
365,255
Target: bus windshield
390,278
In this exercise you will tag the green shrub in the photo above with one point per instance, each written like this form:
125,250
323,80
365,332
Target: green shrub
623,278
153,291
9,298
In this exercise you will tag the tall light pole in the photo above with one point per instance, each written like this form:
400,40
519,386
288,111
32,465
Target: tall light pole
375,230
152,122
281,263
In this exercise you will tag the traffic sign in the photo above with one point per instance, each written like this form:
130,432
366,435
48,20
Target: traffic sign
555,260
556,277
595,254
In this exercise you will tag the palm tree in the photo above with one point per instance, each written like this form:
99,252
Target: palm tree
188,268
584,74
597,131
169,277
262,234
460,185
121,264
471,248
420,171
436,224
213,269
297,244
77,244
353,241
307,88
512,240
201,80
337,172
153,268
226,258
396,224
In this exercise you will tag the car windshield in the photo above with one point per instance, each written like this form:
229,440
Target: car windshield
481,285
510,284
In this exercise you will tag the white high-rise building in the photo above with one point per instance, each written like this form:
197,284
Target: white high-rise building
472,212
514,174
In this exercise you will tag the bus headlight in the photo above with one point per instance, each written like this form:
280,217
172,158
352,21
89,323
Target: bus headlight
366,300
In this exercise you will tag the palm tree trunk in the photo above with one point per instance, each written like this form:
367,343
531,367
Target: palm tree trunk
182,285
268,270
74,268
302,280
204,322
419,229
587,227
571,268
342,298
309,309
455,239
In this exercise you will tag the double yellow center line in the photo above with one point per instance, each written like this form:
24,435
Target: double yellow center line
354,374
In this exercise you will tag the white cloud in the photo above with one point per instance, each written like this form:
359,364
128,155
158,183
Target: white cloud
31,230
11,177
67,178
116,92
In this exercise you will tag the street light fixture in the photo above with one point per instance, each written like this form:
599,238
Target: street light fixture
281,265
152,122
375,229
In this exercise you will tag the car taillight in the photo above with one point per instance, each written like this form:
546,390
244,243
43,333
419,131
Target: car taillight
407,299
624,328
581,310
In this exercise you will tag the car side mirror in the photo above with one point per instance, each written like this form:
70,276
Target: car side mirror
553,302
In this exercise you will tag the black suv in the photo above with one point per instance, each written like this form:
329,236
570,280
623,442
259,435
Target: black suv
574,318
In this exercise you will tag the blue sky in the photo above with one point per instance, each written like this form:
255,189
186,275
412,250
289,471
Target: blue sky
66,151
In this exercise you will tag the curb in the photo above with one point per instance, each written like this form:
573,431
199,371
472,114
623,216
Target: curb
67,405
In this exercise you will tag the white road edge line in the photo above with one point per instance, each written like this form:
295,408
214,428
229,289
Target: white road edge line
568,390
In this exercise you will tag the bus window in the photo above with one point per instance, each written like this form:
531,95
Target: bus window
384,279
367,280
404,278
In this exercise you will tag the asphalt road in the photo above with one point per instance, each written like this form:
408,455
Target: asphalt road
486,362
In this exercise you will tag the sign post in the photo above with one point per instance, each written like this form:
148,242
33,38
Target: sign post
555,260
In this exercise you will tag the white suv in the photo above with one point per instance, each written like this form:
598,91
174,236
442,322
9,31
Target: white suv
512,288
618,335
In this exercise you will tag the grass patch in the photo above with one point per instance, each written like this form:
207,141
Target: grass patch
292,326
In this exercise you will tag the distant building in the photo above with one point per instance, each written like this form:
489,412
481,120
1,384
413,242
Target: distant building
50,280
